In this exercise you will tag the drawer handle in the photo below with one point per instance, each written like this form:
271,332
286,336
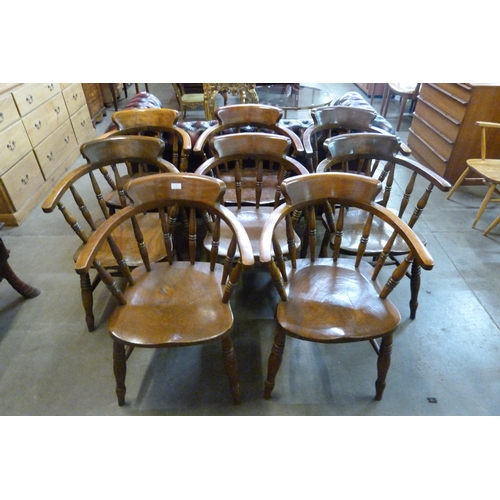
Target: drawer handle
25,179
1,117
11,145
29,99
57,110
75,96
83,123
66,139
50,86
38,125
50,156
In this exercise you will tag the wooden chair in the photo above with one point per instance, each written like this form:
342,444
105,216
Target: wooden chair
330,122
247,118
175,302
488,169
157,122
81,198
405,91
407,186
188,100
337,298
252,165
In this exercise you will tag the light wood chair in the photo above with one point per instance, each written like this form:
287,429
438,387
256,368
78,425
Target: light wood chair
157,122
405,91
337,298
81,197
488,169
252,165
407,186
173,303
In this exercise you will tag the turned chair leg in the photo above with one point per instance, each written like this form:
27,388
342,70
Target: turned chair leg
414,288
87,300
120,371
383,364
274,362
231,367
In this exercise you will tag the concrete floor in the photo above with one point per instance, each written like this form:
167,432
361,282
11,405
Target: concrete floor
51,365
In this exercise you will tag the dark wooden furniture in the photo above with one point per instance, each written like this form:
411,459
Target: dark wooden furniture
252,165
180,301
487,168
442,134
372,89
379,156
81,197
247,118
335,299
6,272
332,121
159,122
95,102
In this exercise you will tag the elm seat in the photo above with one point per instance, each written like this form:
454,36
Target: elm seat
407,186
81,197
337,298
184,299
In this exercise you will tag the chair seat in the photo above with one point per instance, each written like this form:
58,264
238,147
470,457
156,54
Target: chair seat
253,220
489,169
192,99
123,235
189,296
334,302
379,235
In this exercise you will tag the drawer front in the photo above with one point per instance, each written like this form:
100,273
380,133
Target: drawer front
451,106
458,90
14,144
426,153
32,95
45,119
8,112
82,125
22,180
74,97
54,150
442,144
441,122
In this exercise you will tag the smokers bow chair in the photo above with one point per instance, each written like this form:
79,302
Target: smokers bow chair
488,169
337,298
81,197
173,302
253,166
407,186
157,122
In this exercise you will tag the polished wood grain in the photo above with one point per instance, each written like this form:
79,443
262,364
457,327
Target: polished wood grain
81,198
337,298
182,300
330,122
159,122
252,165
247,118
406,188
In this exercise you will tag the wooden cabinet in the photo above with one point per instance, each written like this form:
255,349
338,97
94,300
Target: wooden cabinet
443,134
95,102
372,89
42,126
